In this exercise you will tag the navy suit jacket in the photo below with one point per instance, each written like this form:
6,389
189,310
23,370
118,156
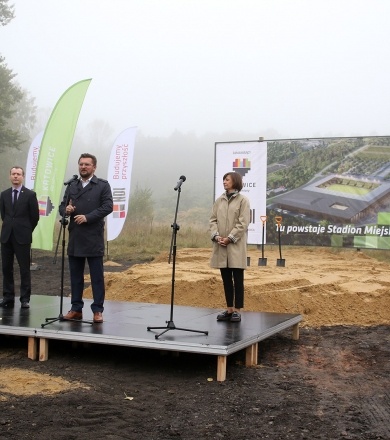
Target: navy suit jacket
20,219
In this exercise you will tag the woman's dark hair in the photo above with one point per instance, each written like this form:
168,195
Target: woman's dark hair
236,178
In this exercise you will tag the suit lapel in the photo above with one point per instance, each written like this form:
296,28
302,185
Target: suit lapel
8,196
82,190
20,196
8,199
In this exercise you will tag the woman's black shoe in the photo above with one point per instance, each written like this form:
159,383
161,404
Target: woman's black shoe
224,316
236,317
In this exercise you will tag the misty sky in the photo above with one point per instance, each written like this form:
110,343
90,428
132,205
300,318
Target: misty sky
303,68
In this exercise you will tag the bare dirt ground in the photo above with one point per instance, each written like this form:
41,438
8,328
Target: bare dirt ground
333,383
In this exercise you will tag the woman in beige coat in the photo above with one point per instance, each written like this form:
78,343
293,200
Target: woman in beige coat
228,226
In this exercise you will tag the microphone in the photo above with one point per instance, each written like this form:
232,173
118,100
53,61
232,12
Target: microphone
181,180
72,179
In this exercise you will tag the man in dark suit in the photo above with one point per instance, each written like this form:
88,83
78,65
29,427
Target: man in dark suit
87,202
20,215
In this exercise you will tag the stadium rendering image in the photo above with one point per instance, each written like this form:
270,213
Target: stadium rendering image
337,198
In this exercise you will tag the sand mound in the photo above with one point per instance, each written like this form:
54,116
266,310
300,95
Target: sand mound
326,287
23,382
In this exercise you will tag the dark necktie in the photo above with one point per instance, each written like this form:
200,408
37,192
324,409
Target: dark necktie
15,198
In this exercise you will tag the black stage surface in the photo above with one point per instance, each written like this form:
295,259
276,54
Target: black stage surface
127,324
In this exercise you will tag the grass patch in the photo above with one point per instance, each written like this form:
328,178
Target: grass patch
347,189
144,242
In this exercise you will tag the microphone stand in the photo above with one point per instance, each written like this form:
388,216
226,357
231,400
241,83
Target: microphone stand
64,222
170,324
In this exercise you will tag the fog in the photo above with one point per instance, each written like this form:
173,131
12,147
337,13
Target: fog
302,68
194,72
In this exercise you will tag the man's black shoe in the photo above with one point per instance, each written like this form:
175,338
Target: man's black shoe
25,305
7,304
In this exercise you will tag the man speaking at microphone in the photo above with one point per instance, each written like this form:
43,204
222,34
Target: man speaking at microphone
87,201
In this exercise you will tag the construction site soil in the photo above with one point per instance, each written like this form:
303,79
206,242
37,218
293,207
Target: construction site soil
332,383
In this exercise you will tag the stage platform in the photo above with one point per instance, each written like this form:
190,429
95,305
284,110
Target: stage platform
133,325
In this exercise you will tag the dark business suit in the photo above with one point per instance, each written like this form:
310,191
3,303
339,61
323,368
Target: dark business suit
19,222
86,240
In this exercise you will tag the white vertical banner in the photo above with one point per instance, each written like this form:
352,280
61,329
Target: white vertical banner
249,159
32,161
119,177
